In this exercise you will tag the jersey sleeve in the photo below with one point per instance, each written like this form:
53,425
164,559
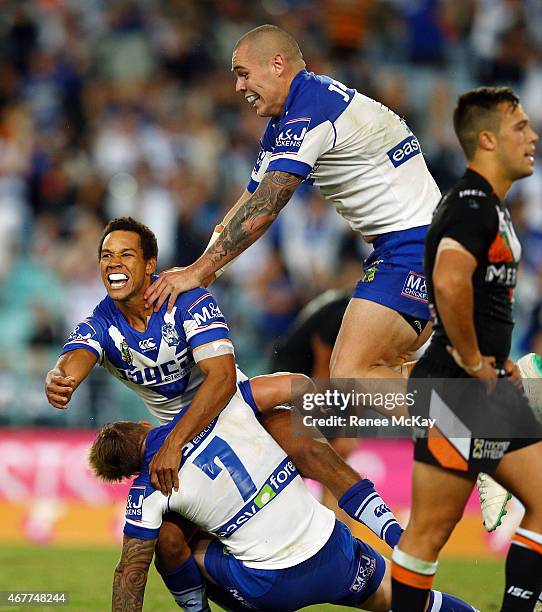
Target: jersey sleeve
473,224
87,335
145,507
204,325
307,131
264,156
299,145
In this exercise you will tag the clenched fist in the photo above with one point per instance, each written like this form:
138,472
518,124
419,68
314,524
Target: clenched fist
59,388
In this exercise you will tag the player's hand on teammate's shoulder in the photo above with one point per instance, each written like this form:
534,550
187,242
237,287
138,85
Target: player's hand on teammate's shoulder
59,388
169,285
164,467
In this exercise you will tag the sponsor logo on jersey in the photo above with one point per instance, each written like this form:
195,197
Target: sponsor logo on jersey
415,287
193,445
405,150
147,345
212,311
366,569
505,274
291,136
465,193
235,593
281,477
170,335
78,336
167,372
134,503
489,449
369,273
264,496
205,309
125,352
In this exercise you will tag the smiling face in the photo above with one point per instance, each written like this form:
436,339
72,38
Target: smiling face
125,272
262,78
516,141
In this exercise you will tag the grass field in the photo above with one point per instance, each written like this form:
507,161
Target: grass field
86,575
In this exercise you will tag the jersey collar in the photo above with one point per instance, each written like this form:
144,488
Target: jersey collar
477,180
295,86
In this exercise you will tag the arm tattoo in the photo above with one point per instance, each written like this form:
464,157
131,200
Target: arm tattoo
131,574
255,216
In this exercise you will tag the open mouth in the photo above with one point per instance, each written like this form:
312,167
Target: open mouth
117,280
252,98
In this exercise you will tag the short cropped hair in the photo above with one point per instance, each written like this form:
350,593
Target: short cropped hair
478,110
147,239
283,41
116,451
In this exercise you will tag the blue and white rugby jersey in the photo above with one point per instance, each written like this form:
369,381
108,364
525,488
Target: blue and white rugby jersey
236,482
159,364
361,155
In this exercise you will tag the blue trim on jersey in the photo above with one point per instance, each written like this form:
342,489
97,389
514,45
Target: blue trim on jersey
246,392
155,440
394,273
72,346
281,477
290,165
268,139
141,533
159,358
345,571
312,100
204,337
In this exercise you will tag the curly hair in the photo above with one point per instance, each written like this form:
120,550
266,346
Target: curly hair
147,239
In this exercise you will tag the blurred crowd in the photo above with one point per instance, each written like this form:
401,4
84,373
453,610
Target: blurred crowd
129,107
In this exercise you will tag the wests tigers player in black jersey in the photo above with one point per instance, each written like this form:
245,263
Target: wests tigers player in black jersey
471,260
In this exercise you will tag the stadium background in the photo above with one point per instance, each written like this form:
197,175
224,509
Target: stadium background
128,107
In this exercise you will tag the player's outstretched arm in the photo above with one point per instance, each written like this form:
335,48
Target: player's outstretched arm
246,225
70,370
272,390
218,387
131,573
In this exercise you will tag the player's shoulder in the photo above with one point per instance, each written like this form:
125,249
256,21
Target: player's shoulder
104,312
198,305
471,187
316,98
471,205
471,196
191,298
93,326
